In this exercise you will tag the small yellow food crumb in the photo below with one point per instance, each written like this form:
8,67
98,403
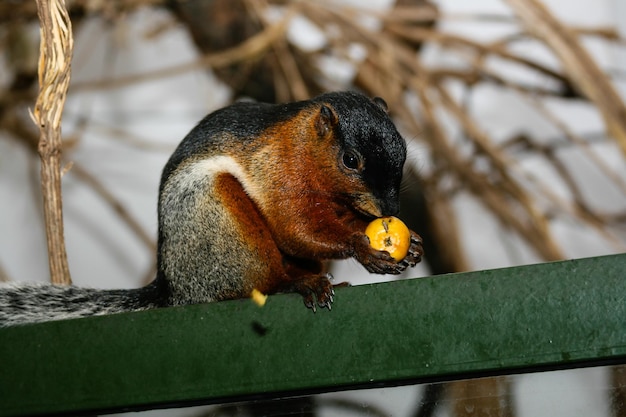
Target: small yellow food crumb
258,297
390,234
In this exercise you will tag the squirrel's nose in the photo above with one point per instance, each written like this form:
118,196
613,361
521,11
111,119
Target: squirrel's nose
390,207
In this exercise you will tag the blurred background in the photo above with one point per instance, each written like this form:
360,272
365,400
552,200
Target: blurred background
513,111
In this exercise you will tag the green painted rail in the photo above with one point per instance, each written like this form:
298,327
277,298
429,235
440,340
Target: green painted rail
557,315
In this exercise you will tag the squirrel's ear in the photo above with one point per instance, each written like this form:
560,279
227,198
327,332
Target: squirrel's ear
326,120
381,103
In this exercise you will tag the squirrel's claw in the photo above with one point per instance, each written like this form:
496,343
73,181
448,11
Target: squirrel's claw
315,287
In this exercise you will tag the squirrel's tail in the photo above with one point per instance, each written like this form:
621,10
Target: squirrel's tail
33,303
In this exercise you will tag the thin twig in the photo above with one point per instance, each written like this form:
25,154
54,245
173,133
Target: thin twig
95,184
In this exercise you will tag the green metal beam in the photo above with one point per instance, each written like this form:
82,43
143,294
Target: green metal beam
563,314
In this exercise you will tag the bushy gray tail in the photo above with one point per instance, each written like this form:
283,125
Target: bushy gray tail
34,303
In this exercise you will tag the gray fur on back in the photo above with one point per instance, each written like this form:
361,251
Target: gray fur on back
33,303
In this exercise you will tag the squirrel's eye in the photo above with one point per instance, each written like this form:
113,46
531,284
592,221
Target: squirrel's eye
351,160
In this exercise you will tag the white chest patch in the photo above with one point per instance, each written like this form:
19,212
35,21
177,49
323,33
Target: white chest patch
211,167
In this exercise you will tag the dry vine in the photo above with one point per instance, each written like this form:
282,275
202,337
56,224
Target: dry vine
54,78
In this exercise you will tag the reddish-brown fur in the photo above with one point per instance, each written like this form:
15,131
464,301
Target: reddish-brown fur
308,188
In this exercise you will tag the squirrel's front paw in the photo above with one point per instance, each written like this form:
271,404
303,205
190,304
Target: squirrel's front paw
380,262
375,261
315,287
416,251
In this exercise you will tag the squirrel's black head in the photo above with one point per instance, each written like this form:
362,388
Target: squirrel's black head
370,147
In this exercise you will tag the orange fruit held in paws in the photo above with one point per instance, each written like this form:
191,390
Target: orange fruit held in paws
390,234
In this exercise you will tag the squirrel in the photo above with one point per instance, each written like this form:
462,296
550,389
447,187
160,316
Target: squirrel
257,196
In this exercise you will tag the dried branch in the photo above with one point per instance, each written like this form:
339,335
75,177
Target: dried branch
479,50
289,81
250,49
54,77
580,67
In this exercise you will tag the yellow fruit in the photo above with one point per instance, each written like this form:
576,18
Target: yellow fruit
390,234
258,297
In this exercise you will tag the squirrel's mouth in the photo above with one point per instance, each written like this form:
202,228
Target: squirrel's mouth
367,206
